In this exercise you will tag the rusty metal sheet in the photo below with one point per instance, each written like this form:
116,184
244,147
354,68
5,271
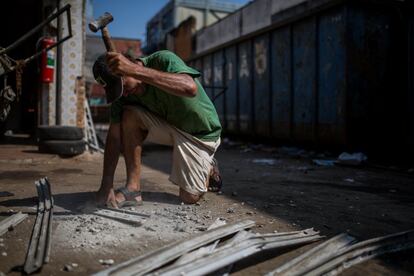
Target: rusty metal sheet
304,80
281,83
411,84
231,95
218,83
331,80
369,79
245,87
208,75
261,89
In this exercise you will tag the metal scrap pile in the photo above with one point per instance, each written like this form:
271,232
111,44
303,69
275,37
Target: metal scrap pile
219,248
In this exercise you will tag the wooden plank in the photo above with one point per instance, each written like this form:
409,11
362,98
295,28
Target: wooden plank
157,258
11,222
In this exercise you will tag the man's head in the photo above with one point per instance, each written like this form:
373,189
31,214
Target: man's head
114,85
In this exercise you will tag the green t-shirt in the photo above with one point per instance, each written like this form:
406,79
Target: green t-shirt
196,116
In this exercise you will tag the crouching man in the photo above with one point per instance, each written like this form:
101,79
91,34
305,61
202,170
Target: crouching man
163,103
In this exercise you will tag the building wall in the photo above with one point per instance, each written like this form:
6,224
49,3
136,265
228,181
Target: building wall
183,13
72,65
72,62
176,11
180,40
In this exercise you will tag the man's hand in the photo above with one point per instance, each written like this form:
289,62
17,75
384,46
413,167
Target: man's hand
104,197
120,65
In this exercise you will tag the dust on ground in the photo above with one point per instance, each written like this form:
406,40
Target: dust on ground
280,191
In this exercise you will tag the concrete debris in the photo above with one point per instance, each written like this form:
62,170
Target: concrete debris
68,268
9,223
217,223
4,254
107,262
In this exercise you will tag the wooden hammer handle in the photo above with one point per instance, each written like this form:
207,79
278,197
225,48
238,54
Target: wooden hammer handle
110,46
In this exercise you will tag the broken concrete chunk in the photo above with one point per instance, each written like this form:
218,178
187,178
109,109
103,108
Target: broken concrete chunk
107,262
68,268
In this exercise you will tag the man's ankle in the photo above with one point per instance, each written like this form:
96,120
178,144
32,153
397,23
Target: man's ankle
133,187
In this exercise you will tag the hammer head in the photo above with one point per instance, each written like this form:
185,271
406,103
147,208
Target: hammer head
101,22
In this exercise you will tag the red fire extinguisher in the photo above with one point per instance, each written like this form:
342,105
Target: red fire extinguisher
48,61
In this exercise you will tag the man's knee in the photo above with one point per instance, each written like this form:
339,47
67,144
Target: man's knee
128,117
189,198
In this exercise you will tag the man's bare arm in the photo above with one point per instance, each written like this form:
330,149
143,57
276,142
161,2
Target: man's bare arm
175,84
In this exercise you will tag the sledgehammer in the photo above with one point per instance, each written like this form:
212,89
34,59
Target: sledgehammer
100,24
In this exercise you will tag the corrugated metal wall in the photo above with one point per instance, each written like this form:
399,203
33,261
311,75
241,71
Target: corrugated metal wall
329,77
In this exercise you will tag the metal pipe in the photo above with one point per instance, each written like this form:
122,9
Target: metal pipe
58,94
33,31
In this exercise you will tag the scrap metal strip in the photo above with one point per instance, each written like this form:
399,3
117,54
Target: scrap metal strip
157,258
232,253
364,251
122,211
39,246
11,221
118,216
301,264
49,226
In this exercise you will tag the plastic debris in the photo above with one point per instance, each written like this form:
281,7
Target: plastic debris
324,162
353,159
270,162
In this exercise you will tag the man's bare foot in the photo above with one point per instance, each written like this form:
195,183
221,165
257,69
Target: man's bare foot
215,183
103,197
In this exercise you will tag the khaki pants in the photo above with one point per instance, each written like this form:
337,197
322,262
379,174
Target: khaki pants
192,157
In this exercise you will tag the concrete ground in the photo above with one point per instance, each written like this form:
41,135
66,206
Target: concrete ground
280,190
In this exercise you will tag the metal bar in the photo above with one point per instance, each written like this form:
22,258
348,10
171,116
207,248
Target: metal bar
231,253
34,30
11,222
205,250
219,94
39,246
301,264
49,226
58,92
364,251
121,217
29,264
155,259
122,211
